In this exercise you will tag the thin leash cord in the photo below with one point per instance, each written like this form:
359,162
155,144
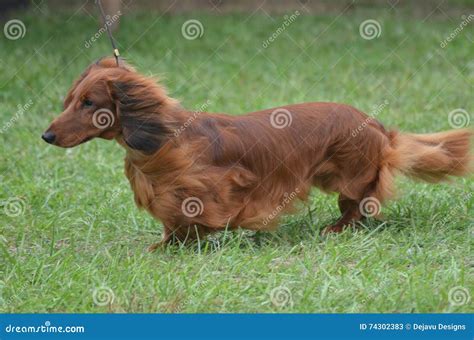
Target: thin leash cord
112,41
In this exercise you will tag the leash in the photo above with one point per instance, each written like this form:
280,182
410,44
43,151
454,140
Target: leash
112,41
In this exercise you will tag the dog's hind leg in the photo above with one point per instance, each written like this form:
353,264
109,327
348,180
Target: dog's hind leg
181,235
165,240
369,205
350,214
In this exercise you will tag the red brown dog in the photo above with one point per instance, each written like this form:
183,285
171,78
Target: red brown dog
199,172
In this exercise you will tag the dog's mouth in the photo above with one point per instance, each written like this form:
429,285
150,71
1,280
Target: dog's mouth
85,140
71,145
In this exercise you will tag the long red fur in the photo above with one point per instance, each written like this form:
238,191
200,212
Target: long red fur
245,171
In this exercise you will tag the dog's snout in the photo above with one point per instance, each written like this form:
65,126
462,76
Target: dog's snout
48,137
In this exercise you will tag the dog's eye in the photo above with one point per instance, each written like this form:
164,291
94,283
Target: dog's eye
87,103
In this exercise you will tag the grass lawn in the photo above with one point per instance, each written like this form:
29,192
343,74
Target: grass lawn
77,242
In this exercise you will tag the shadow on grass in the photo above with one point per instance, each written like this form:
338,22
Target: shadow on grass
293,231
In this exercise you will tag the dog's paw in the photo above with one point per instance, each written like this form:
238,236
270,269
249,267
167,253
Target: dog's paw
332,229
153,247
162,244
165,241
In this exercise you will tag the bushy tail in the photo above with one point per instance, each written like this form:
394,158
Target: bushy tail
431,157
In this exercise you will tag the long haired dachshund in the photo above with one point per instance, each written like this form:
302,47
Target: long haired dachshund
199,172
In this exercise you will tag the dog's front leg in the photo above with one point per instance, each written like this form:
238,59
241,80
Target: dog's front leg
165,240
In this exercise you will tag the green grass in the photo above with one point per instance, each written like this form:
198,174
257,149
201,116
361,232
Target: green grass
78,229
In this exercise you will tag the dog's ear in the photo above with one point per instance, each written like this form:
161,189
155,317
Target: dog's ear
138,112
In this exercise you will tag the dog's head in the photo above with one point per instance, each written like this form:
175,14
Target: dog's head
110,101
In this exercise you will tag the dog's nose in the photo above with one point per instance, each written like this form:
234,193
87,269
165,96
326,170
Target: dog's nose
48,137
